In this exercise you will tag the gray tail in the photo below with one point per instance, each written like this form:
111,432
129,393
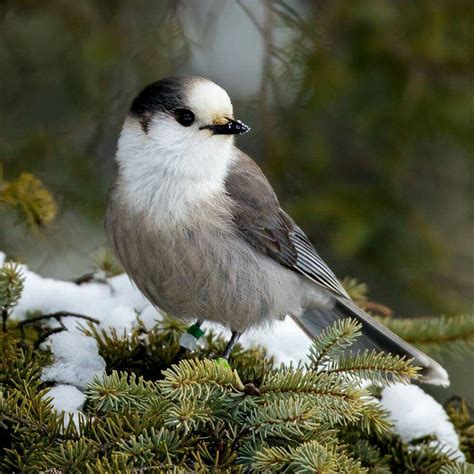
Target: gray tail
374,336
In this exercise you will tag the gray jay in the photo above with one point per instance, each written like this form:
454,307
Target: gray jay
200,231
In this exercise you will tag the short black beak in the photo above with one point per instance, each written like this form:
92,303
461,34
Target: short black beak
232,127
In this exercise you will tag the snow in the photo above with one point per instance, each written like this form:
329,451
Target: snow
284,340
121,319
150,316
416,414
117,304
93,299
67,399
76,359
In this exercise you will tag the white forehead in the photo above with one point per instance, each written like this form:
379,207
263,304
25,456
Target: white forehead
208,100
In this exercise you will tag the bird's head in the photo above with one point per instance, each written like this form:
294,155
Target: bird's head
184,110
177,138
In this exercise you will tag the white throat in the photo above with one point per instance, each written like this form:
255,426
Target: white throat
165,178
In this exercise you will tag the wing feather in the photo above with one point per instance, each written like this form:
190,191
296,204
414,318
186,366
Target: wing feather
262,222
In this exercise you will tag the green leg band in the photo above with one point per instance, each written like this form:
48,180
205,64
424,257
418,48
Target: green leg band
190,338
222,362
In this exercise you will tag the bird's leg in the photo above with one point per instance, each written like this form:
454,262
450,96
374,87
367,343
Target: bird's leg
230,346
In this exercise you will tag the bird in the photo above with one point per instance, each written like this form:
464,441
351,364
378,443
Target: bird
199,229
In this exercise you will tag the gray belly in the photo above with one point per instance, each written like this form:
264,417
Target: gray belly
210,275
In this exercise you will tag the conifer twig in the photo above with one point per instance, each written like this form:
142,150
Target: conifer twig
58,315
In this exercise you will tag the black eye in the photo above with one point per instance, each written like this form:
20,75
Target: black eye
185,117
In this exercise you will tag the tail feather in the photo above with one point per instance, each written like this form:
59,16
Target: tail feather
374,336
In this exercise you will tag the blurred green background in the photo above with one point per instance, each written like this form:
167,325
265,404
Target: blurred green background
361,116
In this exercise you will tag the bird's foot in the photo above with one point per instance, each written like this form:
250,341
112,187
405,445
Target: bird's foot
230,346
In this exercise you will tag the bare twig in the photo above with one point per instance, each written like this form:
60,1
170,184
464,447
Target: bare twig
86,278
48,333
58,315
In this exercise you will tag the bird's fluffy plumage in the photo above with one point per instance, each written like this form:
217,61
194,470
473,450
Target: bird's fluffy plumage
199,229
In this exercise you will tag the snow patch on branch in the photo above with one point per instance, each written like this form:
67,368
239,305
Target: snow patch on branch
76,359
117,304
69,400
416,414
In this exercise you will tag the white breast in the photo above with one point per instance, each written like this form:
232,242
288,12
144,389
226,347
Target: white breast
166,177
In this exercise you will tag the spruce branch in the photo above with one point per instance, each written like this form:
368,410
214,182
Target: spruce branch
200,379
356,290
340,400
30,197
311,456
117,391
373,418
461,416
11,288
371,457
457,468
206,459
189,415
201,417
333,340
293,419
436,335
272,459
105,266
156,447
72,455
316,457
378,367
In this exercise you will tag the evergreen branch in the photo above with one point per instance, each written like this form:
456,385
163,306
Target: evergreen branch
316,457
116,392
340,400
31,198
311,456
290,419
200,378
435,335
116,462
71,455
461,416
272,459
371,456
202,417
206,460
11,288
374,419
378,367
356,290
189,415
457,468
333,340
153,446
